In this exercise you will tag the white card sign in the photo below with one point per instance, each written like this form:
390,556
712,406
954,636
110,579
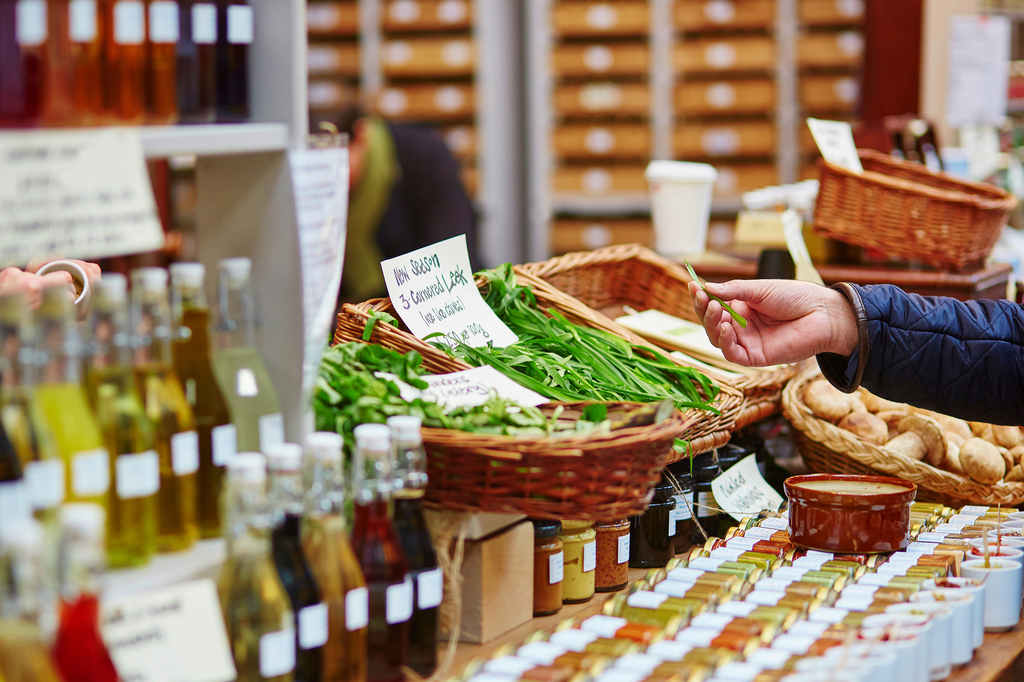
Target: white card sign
741,491
433,292
979,69
82,194
467,388
146,635
835,142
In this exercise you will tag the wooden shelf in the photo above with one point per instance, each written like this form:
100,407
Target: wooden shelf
213,140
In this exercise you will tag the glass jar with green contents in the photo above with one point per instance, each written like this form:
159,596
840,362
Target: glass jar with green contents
548,564
579,541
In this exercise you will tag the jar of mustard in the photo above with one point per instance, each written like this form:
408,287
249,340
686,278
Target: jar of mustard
612,555
579,542
548,563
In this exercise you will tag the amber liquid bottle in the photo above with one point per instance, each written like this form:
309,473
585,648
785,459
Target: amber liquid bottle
84,66
234,36
161,61
197,62
123,28
380,556
22,62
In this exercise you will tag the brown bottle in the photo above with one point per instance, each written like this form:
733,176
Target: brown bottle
123,27
22,62
161,60
234,36
197,61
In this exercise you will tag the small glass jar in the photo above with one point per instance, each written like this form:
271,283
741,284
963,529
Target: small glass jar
705,470
579,541
682,515
547,567
612,555
651,534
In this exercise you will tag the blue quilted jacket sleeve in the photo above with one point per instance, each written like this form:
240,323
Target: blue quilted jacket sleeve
960,358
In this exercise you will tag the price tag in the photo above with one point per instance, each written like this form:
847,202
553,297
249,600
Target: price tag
277,653
313,626
398,605
556,568
434,293
467,388
90,473
271,427
185,453
357,609
760,228
147,633
224,440
589,557
623,548
741,491
429,589
835,142
45,482
137,475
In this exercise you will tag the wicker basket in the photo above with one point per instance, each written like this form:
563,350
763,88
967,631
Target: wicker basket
614,277
906,211
704,433
829,449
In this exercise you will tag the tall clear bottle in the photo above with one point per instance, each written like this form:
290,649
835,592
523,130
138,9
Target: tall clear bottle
128,433
330,556
411,527
239,368
256,610
164,401
284,462
380,556
192,363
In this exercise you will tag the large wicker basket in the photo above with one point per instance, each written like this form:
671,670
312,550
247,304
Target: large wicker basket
827,448
631,275
906,211
705,432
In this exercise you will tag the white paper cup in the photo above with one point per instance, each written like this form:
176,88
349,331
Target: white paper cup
1002,590
680,206
908,636
941,642
976,589
78,274
962,644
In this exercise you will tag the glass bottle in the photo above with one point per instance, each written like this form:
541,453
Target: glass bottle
164,401
239,368
14,500
332,561
78,645
127,432
84,62
59,399
58,110
123,26
411,527
197,61
284,463
650,534
22,62
380,555
12,84
255,607
191,354
686,533
234,36
161,61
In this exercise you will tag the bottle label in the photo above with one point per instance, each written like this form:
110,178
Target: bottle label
224,439
82,20
163,21
589,557
672,522
313,626
399,602
682,511
30,20
357,609
429,589
240,27
271,428
45,483
556,568
245,383
129,23
623,548
706,505
277,653
14,500
185,453
204,23
137,475
90,473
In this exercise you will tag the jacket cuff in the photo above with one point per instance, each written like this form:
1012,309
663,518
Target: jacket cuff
846,372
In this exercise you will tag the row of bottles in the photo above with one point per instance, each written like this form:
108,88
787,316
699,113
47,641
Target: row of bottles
96,62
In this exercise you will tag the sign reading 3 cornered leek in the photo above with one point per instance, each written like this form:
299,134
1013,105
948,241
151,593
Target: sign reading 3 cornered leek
75,193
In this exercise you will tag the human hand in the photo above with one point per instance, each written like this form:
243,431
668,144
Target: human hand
31,285
92,270
787,321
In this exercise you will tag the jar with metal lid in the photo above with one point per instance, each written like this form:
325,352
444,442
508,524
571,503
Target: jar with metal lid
650,534
612,571
579,542
705,470
682,515
547,567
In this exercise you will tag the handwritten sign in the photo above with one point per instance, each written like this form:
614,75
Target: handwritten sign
741,491
81,194
147,634
468,388
979,69
433,292
835,142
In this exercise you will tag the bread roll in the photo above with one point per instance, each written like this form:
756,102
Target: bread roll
952,462
908,444
892,419
981,461
954,425
1018,454
875,403
1008,436
1016,473
826,401
954,438
1007,458
866,426
931,435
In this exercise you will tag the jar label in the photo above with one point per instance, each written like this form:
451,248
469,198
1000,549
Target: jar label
706,505
129,24
429,589
589,557
646,600
828,614
682,511
14,500
357,609
240,28
399,602
277,653
45,482
185,453
668,650
574,640
30,22
90,473
555,568
598,58
740,609
313,626
163,21
224,442
623,548
82,20
601,17
204,23
603,626
137,475
271,427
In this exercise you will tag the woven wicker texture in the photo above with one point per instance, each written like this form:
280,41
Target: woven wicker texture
827,448
906,211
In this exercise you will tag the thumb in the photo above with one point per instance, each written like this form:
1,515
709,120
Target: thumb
750,291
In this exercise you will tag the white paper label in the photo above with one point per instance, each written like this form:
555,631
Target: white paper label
138,475
854,603
313,626
30,21
720,141
224,442
357,609
860,590
877,579
623,556
685,575
429,589
741,542
696,637
556,568
399,602
720,95
769,659
706,563
602,16
891,569
826,614
792,643
204,23
835,142
711,621
543,653
720,55
603,626
271,427
671,523
810,562
706,505
277,653
434,292
456,53
240,28
449,99
509,666
789,573
573,640
742,491
668,650
727,553
397,52
931,537
451,11
759,533
673,588
774,584
467,388
246,385
921,548
45,482
599,141
598,58
740,609
90,473
682,511
14,500
185,453
646,600
775,522
972,511
808,628
129,23
163,21
82,20
827,556
589,557
765,597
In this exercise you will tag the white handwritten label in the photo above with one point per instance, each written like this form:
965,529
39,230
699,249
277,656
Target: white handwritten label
45,482
835,142
589,557
271,427
129,23
240,27
398,602
204,23
433,292
146,634
137,475
467,388
277,653
90,473
224,442
555,568
185,453
979,60
623,548
357,609
14,500
82,20
429,589
163,21
313,626
741,491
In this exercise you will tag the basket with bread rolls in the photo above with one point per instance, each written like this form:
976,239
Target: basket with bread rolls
951,460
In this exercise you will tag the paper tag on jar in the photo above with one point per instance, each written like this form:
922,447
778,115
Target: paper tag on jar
765,597
835,142
185,453
204,23
429,589
90,473
556,567
623,548
598,58
357,609
313,626
271,430
30,22
398,603
277,653
589,557
240,24
742,491
129,23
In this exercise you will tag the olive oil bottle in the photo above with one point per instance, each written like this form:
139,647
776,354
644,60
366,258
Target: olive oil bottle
190,351
164,402
127,432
